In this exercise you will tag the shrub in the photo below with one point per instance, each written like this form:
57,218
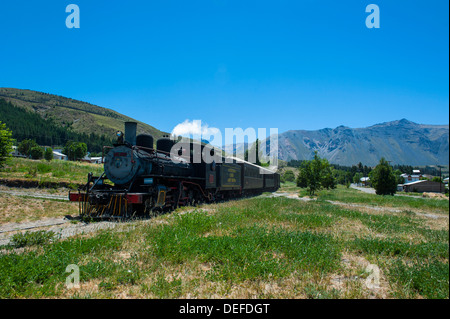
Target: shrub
48,154
36,152
383,179
288,176
31,238
5,143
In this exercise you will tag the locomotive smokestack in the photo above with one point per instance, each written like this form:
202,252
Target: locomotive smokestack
130,132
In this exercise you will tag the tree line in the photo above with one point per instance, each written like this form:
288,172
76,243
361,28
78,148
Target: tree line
318,173
28,125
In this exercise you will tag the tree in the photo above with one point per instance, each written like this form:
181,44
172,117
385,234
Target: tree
37,152
25,147
357,178
328,179
6,143
383,178
316,174
398,176
288,176
436,179
75,150
48,154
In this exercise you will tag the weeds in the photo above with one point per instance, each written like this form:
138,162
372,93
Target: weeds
41,237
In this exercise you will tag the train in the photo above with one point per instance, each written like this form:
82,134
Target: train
141,180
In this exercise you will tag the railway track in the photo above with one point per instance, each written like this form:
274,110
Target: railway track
35,195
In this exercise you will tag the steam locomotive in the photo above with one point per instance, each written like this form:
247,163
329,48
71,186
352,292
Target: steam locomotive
141,180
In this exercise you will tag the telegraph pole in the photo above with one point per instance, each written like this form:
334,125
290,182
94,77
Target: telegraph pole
440,179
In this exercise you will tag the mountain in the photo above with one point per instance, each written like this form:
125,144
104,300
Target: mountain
401,142
77,116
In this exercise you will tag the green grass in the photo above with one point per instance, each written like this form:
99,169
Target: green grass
244,244
246,252
428,279
394,247
53,171
41,273
349,195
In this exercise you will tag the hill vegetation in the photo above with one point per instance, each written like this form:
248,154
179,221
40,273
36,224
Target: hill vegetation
45,131
72,115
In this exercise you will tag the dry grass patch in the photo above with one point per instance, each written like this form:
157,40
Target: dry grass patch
14,209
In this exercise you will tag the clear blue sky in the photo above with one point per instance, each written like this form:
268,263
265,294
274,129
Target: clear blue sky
287,64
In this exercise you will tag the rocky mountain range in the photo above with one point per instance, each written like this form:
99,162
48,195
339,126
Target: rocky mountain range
401,142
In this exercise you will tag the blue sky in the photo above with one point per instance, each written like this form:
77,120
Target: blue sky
285,64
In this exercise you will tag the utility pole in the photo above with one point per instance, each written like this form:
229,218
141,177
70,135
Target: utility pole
440,179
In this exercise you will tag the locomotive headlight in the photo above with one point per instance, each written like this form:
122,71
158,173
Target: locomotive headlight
119,135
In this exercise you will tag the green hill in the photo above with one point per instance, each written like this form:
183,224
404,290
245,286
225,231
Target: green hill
72,119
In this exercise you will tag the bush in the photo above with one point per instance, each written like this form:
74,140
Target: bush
288,176
25,147
5,143
383,179
316,174
48,154
31,238
75,150
36,152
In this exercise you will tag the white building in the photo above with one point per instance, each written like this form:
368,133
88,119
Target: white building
410,178
59,156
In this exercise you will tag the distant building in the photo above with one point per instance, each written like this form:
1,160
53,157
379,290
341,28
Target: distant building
424,186
95,160
59,156
16,152
411,178
364,180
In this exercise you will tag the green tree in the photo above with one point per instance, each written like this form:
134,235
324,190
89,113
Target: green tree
399,179
25,147
48,154
289,176
328,179
75,150
383,179
37,152
357,178
303,174
436,179
6,143
316,174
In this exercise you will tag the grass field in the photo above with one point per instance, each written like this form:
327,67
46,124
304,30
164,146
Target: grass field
250,248
54,171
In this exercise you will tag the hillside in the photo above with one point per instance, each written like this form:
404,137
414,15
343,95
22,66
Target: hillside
77,116
401,142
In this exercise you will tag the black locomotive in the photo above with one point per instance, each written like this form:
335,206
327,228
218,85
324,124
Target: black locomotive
141,180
